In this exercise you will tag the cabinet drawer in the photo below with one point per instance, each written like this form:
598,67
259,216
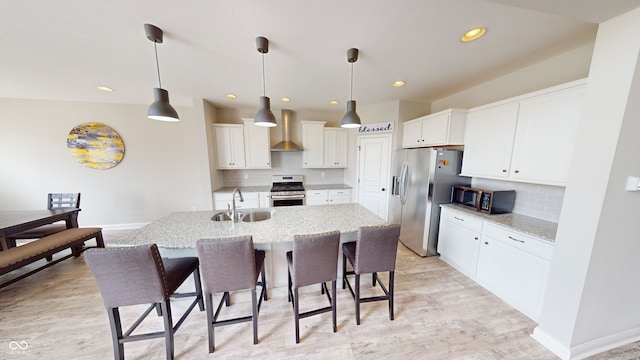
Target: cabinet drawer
518,240
316,193
340,192
461,219
225,196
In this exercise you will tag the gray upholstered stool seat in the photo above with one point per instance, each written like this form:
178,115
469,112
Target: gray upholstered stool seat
373,251
231,264
314,260
138,275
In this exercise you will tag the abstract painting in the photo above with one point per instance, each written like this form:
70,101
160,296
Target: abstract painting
95,145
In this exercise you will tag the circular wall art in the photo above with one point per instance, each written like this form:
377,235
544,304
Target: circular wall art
95,145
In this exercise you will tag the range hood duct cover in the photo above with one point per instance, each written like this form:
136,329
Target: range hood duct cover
286,144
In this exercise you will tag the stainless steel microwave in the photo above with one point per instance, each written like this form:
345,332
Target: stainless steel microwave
486,201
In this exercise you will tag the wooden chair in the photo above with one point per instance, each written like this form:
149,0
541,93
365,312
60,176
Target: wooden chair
373,251
231,264
138,275
314,260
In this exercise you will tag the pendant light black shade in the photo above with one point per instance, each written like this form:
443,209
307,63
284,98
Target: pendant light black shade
351,118
160,109
264,117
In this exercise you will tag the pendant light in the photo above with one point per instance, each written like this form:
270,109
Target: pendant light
160,109
264,117
351,118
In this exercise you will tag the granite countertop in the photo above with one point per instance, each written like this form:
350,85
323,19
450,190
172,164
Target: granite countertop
546,230
226,189
183,229
327,187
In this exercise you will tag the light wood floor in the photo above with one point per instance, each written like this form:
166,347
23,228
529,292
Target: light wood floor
439,314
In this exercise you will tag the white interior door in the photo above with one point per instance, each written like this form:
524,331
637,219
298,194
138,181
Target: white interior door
374,157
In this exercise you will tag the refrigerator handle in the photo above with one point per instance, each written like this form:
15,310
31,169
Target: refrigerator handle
403,183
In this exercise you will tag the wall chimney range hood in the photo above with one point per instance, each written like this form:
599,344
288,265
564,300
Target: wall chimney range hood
286,144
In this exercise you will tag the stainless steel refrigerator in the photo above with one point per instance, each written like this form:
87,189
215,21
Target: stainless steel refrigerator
423,180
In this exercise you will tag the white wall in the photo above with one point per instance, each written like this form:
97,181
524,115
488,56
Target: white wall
565,67
162,171
592,298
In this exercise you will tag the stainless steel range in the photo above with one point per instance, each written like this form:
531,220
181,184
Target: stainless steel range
287,190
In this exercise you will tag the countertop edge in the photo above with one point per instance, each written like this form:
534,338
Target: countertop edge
542,229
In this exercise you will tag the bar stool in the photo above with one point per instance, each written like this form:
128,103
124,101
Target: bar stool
137,275
373,251
231,264
314,260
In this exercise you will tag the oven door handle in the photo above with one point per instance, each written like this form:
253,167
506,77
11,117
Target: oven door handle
286,197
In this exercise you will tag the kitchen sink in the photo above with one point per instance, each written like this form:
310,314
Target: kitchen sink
256,216
221,216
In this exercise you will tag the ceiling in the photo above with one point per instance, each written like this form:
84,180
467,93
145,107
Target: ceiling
63,49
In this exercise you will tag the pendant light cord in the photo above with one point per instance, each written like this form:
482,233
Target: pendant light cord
351,95
155,47
263,82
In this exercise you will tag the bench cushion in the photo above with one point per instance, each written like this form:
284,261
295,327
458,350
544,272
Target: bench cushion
39,249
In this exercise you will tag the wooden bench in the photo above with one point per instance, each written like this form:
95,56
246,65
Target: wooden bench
74,238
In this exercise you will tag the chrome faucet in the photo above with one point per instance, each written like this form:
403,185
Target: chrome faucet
234,213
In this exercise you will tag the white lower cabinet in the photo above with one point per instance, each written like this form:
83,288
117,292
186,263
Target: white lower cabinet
331,196
512,265
222,199
515,267
265,199
459,241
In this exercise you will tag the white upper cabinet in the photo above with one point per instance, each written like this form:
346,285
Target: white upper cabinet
313,144
489,141
229,141
335,147
443,128
257,143
529,138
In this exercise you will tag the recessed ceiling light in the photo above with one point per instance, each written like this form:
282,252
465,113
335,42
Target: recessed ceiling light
104,88
398,83
230,96
333,102
473,34
285,99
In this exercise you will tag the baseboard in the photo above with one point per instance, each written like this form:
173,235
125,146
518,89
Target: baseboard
589,348
551,344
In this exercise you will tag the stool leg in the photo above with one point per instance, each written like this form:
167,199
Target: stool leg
357,299
198,285
296,314
209,301
264,282
344,270
333,305
168,328
116,333
254,306
391,295
373,279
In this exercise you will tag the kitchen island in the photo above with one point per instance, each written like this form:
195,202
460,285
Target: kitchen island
176,234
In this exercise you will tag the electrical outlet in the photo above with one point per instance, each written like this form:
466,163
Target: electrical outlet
246,176
322,174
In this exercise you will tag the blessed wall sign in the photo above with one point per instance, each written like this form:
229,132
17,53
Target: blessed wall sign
366,129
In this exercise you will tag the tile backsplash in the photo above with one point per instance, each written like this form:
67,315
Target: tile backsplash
282,163
539,201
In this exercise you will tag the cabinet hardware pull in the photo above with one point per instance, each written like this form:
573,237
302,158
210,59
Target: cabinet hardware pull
514,239
504,170
486,243
457,218
517,171
383,189
475,238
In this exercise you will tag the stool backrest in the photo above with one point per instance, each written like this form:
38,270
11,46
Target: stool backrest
227,264
128,275
315,258
376,248
63,201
